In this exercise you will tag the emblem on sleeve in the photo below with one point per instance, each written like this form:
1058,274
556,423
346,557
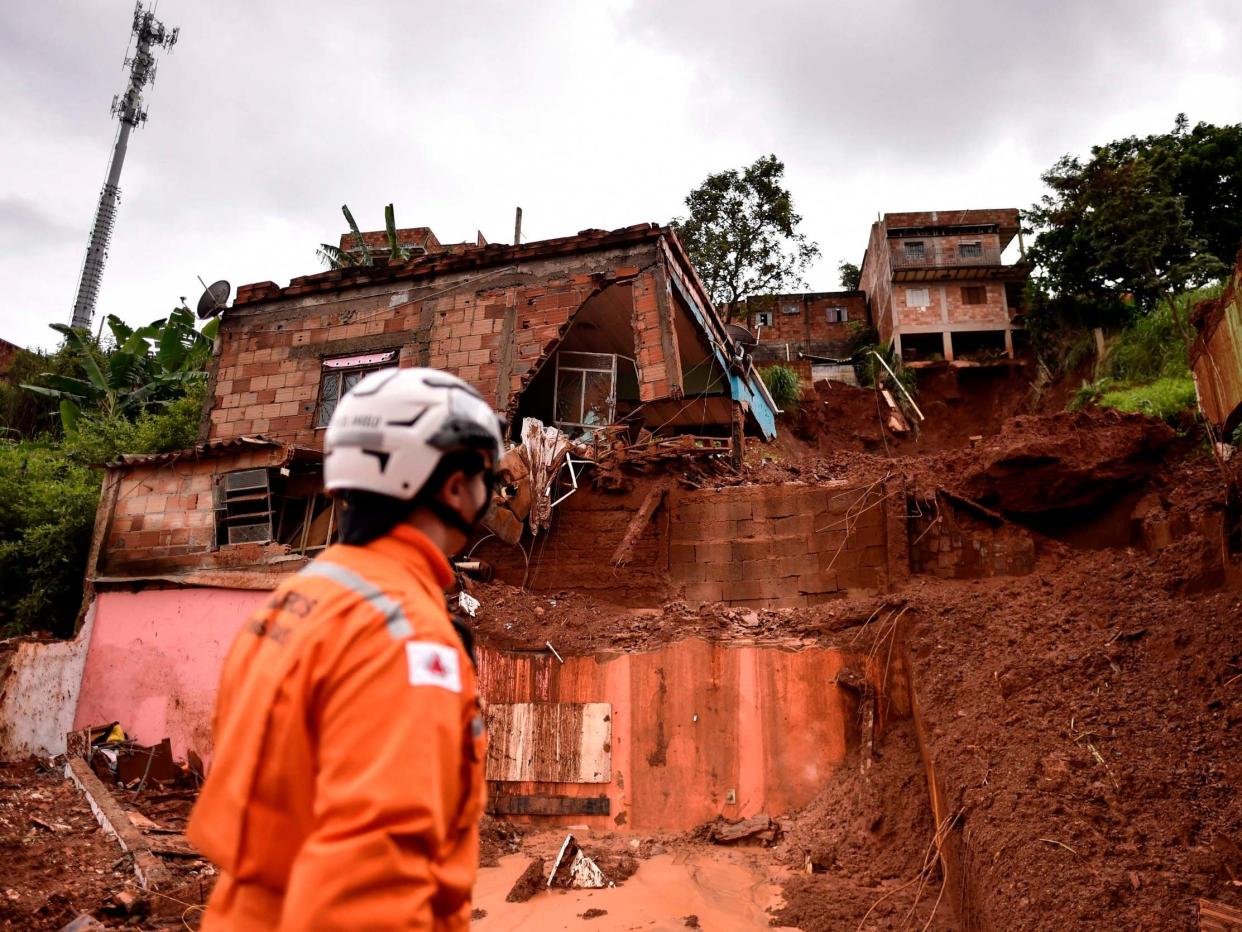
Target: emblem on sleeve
433,665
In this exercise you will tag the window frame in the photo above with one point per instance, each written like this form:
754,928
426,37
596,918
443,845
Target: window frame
583,369
837,314
762,319
980,290
338,368
976,247
910,291
914,249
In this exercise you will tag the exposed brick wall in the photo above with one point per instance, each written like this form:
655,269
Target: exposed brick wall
956,541
946,306
783,546
876,282
487,328
1005,217
807,328
787,546
164,516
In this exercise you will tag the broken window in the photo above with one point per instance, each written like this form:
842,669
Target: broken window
274,505
585,398
914,249
970,250
763,319
974,294
837,315
343,373
918,297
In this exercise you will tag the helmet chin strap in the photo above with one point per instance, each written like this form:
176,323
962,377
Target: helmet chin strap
454,519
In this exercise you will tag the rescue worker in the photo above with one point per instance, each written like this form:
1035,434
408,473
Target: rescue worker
347,780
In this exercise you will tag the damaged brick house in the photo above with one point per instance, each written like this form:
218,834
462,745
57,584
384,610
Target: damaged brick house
599,332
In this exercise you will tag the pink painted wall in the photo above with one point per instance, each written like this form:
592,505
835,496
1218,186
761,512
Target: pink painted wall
154,662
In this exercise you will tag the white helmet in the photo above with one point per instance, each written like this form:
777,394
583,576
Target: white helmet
389,432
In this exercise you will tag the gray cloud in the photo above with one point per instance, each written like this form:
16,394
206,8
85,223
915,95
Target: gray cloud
266,117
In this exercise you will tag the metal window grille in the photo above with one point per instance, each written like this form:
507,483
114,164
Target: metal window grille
914,249
974,249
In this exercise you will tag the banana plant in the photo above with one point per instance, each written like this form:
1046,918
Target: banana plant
147,365
336,258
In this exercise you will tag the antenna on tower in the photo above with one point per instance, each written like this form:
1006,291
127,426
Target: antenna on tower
126,107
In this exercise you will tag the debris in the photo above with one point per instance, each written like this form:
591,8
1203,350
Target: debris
546,449
692,922
625,549
593,913
1218,917
467,603
554,653
574,869
528,884
84,923
52,827
141,822
758,828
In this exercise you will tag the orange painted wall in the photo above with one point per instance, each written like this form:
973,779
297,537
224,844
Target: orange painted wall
771,725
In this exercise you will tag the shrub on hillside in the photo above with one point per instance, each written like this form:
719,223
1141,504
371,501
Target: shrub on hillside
783,385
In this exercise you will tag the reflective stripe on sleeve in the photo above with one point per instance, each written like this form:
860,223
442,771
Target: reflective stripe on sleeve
394,616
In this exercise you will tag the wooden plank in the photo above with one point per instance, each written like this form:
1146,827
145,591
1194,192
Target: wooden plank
550,742
1217,917
625,550
548,805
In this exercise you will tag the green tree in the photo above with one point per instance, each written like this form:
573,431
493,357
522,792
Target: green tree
742,234
1134,226
851,275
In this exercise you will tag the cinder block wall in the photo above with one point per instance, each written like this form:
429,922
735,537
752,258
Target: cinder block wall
951,542
784,546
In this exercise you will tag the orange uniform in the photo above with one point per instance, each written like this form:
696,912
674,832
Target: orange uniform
347,783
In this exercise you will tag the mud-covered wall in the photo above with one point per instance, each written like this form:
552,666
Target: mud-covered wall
954,539
39,682
694,725
772,546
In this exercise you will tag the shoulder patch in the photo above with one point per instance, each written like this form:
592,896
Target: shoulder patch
433,665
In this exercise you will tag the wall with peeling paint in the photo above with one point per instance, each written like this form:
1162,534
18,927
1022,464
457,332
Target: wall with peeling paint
154,662
39,683
691,722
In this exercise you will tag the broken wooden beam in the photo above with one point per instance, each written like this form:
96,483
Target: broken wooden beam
625,550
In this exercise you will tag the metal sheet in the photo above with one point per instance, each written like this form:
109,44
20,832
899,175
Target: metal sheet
550,742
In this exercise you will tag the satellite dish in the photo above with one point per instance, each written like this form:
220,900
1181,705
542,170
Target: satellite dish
214,299
742,336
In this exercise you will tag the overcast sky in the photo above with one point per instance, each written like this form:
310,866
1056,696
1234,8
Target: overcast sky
266,117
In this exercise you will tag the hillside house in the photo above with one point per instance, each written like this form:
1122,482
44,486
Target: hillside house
939,288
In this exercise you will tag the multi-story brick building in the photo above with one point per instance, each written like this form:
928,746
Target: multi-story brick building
937,285
806,331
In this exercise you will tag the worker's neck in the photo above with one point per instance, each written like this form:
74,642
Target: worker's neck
450,541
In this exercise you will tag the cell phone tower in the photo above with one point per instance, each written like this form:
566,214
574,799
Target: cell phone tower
127,107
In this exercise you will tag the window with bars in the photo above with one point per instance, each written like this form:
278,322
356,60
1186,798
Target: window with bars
274,505
837,315
342,373
914,249
968,250
974,294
